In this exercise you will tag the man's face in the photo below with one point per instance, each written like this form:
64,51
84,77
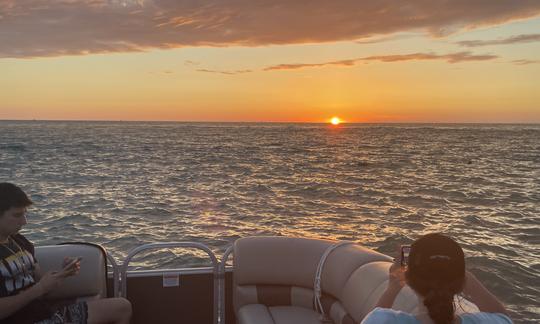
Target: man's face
12,220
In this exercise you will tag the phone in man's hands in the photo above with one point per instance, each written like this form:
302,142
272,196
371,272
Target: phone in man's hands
405,250
72,263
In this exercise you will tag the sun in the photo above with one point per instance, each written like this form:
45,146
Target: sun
335,121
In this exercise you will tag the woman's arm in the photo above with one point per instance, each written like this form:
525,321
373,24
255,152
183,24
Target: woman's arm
387,298
395,283
478,294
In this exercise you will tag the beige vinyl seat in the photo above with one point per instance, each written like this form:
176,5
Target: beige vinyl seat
90,283
273,281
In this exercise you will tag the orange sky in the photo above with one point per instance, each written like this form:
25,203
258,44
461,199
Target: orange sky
241,61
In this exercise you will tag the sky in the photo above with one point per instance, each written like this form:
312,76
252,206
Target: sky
271,61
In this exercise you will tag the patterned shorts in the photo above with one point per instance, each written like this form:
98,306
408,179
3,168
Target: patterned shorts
72,314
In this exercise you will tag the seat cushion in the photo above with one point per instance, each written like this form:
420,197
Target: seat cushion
254,314
260,314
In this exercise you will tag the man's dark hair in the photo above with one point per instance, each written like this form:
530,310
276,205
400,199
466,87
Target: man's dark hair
12,196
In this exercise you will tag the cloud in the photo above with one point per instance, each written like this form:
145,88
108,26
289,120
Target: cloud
39,28
525,62
225,72
450,58
310,65
191,63
528,38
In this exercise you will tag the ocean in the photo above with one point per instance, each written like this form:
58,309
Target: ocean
123,184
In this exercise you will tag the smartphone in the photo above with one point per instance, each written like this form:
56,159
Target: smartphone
72,263
405,250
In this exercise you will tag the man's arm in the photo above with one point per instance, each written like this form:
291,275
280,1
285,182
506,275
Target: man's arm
46,283
38,272
11,304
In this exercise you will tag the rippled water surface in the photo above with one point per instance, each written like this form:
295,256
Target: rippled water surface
126,184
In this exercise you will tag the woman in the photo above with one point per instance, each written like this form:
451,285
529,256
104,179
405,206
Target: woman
436,273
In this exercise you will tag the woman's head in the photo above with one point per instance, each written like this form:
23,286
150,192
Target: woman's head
436,271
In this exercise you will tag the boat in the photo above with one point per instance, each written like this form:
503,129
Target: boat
272,280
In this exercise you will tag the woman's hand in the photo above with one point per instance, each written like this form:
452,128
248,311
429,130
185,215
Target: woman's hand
396,281
396,273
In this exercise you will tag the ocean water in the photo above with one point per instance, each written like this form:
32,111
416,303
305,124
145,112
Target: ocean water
124,184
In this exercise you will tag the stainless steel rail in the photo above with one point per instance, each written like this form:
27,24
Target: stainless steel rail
116,275
222,264
169,245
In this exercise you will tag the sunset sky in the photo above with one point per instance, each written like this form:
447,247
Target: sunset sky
281,60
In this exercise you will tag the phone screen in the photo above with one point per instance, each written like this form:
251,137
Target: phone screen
405,250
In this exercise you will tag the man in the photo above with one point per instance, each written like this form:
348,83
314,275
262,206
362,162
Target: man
23,285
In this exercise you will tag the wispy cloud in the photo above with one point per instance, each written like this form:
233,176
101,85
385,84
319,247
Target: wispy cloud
310,65
526,62
385,38
528,38
450,58
191,63
38,28
224,72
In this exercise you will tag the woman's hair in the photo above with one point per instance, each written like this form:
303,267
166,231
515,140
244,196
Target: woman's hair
12,196
436,271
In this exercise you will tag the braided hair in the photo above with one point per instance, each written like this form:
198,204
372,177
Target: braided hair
436,271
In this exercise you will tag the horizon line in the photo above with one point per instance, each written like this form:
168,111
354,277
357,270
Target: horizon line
267,122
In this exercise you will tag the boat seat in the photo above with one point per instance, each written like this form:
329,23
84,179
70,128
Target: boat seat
257,313
273,280
90,283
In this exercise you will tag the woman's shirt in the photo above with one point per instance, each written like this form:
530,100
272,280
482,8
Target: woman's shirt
390,316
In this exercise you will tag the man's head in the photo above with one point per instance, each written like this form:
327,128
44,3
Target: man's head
13,203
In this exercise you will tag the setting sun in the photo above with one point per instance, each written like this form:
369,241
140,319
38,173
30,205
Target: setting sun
335,121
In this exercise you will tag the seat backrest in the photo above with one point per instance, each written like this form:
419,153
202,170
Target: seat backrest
90,283
280,271
275,270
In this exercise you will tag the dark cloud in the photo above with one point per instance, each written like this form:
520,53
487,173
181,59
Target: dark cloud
450,58
504,41
38,28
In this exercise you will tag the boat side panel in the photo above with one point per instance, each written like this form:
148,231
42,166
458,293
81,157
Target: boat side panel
191,302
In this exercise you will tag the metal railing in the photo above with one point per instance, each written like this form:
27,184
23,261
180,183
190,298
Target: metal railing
222,265
116,275
155,246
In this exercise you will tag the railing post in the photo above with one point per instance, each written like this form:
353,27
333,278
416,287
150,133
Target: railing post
169,245
222,264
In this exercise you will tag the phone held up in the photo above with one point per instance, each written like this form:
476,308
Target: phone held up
405,250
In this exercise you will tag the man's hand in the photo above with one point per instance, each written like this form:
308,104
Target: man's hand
50,280
71,266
